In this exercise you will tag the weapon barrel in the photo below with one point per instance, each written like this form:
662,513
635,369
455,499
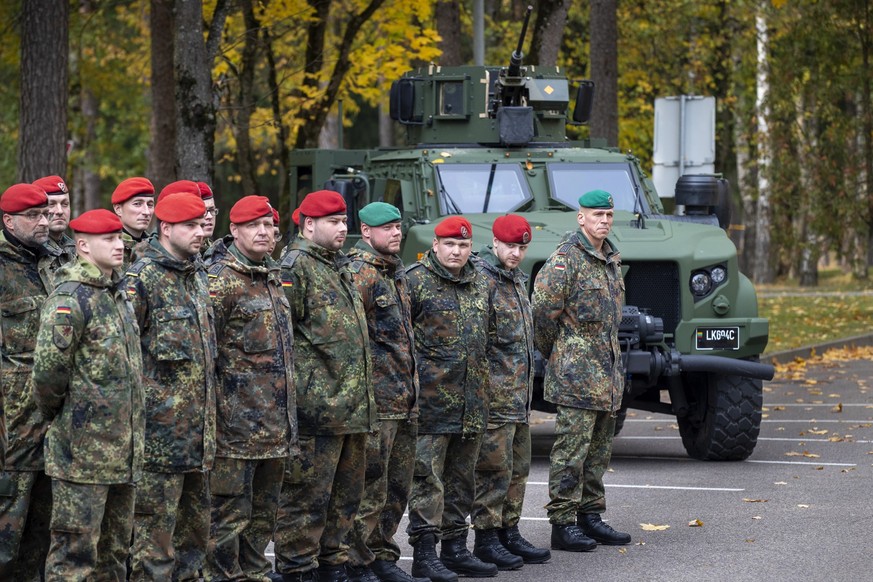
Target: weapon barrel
518,55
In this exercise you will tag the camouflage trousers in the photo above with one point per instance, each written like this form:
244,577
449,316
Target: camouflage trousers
25,513
443,485
171,526
580,456
90,531
390,463
245,497
321,493
501,476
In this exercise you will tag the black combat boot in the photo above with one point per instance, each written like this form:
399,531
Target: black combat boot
489,549
332,573
571,538
601,532
425,563
513,541
388,571
457,558
361,574
308,576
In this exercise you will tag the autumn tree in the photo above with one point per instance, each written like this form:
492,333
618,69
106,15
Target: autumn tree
162,149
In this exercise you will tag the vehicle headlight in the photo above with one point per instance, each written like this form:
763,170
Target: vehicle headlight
701,284
718,275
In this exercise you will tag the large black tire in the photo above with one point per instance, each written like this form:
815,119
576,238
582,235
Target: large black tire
730,417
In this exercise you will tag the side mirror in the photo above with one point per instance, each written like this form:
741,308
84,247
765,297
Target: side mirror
584,102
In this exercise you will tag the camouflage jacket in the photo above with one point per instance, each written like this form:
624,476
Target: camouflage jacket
87,379
381,281
332,349
25,282
577,302
510,341
130,244
171,301
216,251
257,417
63,251
450,321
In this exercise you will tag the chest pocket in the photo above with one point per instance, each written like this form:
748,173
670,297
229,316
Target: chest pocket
387,324
591,303
175,329
508,325
326,323
441,323
20,323
106,355
258,334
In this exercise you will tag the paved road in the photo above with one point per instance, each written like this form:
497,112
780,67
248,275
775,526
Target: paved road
782,515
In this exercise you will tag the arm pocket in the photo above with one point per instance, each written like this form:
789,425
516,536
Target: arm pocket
20,320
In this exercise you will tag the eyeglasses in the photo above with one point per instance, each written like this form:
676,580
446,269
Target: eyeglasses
33,215
213,211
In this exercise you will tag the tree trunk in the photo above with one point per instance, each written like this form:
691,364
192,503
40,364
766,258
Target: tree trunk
604,70
315,113
805,234
548,31
861,271
246,105
43,99
448,23
162,151
282,136
195,103
764,271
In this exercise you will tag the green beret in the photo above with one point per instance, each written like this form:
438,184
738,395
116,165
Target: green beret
596,199
378,213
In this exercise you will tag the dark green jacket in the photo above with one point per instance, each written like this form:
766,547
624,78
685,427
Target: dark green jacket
450,318
578,295
86,379
171,301
63,251
510,341
332,349
382,283
25,282
257,413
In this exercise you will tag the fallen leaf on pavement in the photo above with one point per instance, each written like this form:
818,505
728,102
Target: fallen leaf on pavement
622,550
747,500
837,408
695,523
780,483
823,431
802,505
653,527
757,517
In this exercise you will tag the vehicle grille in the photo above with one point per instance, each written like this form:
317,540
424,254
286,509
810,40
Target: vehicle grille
654,286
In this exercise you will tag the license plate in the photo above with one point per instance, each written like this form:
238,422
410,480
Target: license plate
718,338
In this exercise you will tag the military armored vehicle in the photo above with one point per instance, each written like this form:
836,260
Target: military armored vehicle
484,141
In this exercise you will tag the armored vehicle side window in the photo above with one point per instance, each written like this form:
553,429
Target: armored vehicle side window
481,188
569,181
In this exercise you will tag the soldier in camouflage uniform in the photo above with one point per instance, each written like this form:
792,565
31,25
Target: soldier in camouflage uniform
450,314
211,213
87,381
257,417
577,302
58,243
25,490
504,459
170,296
324,483
134,202
381,280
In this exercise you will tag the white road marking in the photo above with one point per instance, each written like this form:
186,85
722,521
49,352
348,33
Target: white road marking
802,463
799,438
669,487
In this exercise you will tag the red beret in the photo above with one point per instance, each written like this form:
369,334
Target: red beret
295,216
454,227
132,187
52,185
180,187
322,203
250,208
205,190
275,217
179,207
100,221
512,228
21,197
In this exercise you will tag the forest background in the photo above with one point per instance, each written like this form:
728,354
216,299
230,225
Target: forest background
222,90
